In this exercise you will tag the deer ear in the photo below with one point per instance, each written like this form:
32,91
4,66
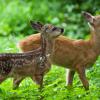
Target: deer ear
88,17
36,25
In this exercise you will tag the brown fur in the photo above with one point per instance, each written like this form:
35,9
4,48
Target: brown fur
31,63
77,55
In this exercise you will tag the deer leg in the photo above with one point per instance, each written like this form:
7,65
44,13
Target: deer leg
16,82
70,77
39,80
82,76
1,79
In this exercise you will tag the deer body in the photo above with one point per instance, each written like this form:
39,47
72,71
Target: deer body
77,55
22,65
75,52
9,63
69,49
33,63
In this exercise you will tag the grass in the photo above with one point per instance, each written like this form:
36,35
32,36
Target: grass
54,81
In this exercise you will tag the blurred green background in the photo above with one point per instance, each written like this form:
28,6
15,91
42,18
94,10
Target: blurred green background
16,14
14,26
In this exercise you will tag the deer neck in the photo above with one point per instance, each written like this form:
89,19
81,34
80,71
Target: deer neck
95,40
49,47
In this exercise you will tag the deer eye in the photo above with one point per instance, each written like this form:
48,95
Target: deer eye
54,29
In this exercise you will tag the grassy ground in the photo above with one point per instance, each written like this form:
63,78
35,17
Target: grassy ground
54,82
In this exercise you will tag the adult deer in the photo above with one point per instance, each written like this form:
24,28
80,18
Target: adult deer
77,55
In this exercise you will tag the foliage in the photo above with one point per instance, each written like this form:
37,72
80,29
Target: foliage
16,14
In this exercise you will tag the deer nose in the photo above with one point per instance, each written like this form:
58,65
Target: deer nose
62,30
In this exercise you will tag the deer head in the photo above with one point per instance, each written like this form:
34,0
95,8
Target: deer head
48,31
94,21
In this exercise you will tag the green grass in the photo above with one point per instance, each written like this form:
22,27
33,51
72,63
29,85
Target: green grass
14,20
54,82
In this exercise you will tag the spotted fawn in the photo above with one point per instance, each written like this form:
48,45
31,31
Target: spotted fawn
33,63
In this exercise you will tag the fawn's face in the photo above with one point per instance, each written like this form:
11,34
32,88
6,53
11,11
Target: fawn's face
93,20
49,31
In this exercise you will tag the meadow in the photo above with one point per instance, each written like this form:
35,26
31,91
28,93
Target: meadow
54,82
14,26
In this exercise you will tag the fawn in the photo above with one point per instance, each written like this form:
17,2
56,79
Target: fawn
33,63
77,55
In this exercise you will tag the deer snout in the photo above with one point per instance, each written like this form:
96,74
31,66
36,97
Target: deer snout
62,30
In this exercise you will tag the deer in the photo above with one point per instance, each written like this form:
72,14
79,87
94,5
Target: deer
76,55
35,63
